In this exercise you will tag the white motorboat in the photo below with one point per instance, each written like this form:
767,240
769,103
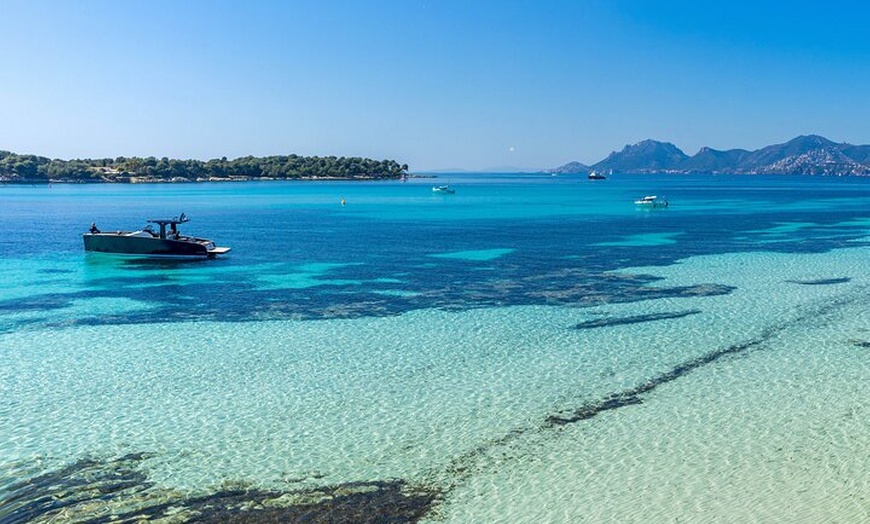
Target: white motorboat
651,201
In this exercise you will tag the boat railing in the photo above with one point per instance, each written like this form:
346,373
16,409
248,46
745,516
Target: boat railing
141,233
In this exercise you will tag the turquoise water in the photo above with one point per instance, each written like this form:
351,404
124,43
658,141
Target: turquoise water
530,349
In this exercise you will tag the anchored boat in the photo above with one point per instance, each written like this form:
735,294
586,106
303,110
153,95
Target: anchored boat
168,242
651,201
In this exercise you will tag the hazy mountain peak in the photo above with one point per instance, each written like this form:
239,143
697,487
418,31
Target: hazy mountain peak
645,155
571,168
805,154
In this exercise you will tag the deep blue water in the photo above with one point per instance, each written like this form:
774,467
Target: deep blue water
384,252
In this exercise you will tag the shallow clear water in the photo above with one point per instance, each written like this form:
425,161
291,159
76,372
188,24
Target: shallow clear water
532,348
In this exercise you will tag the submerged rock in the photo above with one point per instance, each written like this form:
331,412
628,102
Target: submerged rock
821,281
93,491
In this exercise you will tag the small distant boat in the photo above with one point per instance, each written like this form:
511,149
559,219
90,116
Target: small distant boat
147,242
594,175
443,189
651,201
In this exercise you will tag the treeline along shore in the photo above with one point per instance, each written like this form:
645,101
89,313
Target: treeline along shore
32,169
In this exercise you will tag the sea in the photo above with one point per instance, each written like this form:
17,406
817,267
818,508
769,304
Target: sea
530,349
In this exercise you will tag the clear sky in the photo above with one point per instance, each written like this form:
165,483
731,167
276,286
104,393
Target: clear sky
472,84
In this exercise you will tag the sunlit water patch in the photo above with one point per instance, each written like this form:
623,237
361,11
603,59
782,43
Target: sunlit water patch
649,239
476,255
285,276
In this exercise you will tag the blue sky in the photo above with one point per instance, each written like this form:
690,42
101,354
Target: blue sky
435,84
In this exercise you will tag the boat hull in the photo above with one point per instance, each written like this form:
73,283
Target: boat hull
124,244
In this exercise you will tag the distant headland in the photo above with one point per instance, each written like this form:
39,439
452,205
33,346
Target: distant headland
32,169
804,155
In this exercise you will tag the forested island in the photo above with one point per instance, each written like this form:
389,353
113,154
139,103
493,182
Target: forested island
15,168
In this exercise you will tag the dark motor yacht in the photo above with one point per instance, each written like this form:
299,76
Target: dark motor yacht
169,242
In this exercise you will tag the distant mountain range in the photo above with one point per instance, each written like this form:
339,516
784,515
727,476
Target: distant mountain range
804,155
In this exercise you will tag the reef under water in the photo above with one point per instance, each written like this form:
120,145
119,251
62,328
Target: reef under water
92,491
